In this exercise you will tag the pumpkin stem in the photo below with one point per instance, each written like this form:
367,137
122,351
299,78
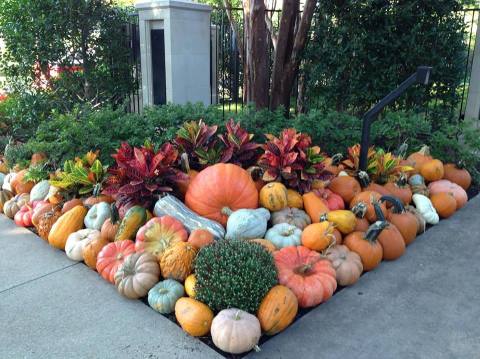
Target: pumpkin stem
425,150
256,348
460,164
114,216
96,189
360,209
237,315
185,163
364,179
226,211
336,159
303,269
378,211
374,230
397,204
402,180
255,172
163,291
401,151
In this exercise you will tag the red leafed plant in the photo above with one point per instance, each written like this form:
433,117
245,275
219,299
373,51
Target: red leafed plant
293,160
140,174
199,142
238,146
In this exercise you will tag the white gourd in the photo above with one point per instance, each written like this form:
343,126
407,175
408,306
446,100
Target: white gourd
426,209
40,191
247,223
77,241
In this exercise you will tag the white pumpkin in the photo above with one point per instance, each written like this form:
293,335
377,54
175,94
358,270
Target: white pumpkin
426,209
7,180
284,235
97,215
40,191
247,223
77,241
235,331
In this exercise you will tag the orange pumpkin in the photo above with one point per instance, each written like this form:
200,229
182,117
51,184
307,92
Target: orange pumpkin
392,242
315,206
458,192
362,225
444,203
194,317
38,157
256,173
400,189
345,186
277,310
200,238
191,174
318,236
405,221
46,222
91,250
220,189
432,170
457,175
338,236
90,201
110,226
19,186
333,164
364,202
417,159
366,245
177,261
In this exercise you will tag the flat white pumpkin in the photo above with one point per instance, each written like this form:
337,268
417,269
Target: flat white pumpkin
426,209
284,235
97,215
77,241
235,331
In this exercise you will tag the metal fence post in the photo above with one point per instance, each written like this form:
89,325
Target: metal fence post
472,110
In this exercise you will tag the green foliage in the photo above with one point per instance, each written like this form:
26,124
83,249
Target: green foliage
361,50
37,173
17,154
234,274
85,38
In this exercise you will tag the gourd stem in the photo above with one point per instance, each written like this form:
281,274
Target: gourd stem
378,211
364,179
336,158
185,162
114,216
402,180
96,189
237,315
397,204
425,150
256,348
226,211
360,209
374,231
304,268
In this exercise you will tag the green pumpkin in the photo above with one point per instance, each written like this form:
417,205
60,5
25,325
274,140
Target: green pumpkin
133,220
247,223
164,295
284,235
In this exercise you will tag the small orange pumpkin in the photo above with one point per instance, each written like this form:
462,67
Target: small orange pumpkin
417,159
19,186
345,186
457,175
444,203
366,245
364,201
194,317
432,170
67,206
91,250
318,236
265,243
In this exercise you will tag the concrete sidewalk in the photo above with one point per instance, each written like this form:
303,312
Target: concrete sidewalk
424,305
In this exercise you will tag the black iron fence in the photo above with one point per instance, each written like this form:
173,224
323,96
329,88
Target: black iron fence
133,43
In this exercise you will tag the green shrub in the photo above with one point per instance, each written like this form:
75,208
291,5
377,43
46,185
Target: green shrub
234,274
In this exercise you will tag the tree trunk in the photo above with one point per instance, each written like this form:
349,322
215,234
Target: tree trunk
289,47
256,79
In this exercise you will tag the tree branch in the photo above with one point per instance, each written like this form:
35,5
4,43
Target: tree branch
228,8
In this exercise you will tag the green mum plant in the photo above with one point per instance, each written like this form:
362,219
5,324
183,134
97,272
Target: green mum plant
83,176
234,274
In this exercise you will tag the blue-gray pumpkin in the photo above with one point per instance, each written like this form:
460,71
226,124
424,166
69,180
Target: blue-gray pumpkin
97,215
284,235
163,296
247,223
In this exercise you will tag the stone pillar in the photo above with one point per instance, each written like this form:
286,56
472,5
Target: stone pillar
175,51
473,100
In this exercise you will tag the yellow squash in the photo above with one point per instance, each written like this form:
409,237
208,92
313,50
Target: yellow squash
68,223
344,220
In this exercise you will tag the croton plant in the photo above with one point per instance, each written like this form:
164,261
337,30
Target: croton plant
141,174
291,159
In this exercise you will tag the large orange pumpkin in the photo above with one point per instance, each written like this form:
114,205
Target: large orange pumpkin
19,186
366,245
444,203
457,175
277,310
345,186
219,189
417,159
310,276
366,200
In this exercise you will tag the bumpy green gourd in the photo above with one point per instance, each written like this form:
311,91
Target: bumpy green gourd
234,274
164,295
247,223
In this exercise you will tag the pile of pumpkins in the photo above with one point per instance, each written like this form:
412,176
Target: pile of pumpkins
319,240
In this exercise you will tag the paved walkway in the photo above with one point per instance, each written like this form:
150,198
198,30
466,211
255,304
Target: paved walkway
424,305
